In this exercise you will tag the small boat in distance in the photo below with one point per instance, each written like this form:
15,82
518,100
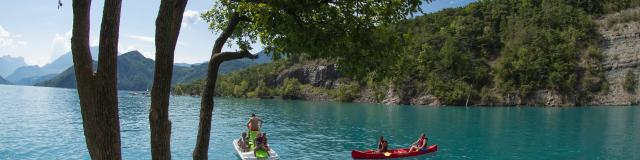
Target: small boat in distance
396,153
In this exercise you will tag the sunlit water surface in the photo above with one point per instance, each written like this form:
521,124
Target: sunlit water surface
45,123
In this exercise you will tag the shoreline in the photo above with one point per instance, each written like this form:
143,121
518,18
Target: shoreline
363,102
419,105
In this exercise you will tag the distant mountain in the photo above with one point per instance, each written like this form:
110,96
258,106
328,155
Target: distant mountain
25,72
135,72
262,58
9,64
3,81
66,79
199,71
29,75
29,81
182,64
65,61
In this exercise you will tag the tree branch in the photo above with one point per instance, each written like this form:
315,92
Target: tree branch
226,33
98,92
107,63
80,40
245,19
227,56
206,103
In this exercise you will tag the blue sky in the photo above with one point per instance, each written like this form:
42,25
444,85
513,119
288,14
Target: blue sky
38,31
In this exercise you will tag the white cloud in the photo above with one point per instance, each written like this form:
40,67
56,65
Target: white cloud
60,44
4,33
142,38
8,41
190,17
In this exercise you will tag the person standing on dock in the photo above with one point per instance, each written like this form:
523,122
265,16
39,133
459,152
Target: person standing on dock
254,124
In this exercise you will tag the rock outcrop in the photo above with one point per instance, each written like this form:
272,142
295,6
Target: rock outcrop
319,73
621,51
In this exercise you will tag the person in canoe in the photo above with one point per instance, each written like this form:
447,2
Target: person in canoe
382,145
254,124
419,144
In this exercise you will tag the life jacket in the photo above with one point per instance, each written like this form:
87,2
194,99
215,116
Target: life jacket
383,145
421,142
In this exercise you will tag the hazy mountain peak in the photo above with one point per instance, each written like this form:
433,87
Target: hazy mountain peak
8,64
4,81
16,58
25,72
65,61
133,53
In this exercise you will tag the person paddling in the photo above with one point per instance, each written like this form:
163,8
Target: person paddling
420,144
382,145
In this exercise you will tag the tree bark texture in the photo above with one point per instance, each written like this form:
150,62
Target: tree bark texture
167,30
98,91
206,105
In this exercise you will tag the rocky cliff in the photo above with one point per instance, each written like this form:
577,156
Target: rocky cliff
621,52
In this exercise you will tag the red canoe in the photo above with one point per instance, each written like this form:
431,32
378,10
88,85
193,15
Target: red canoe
396,153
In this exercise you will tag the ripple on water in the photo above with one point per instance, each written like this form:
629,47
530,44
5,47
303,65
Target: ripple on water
45,123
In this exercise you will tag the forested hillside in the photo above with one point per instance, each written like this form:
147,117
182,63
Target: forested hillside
507,52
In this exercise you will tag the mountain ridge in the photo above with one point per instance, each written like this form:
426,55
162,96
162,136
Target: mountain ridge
9,64
135,72
4,81
31,74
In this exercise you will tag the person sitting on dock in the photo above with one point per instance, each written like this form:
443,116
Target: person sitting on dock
261,143
243,142
382,145
266,142
420,144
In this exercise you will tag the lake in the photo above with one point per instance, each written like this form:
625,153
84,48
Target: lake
45,123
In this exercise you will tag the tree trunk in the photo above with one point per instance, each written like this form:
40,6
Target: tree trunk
206,105
167,30
98,92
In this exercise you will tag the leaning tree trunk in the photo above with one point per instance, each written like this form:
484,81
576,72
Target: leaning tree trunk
206,105
167,30
98,91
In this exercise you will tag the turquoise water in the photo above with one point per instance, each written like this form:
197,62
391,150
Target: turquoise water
45,123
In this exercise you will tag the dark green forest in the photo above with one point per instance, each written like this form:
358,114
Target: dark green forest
483,51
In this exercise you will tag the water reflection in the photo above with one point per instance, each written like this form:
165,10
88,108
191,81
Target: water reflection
45,123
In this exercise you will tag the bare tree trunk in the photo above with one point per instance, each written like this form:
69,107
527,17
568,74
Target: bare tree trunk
167,30
98,92
206,105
